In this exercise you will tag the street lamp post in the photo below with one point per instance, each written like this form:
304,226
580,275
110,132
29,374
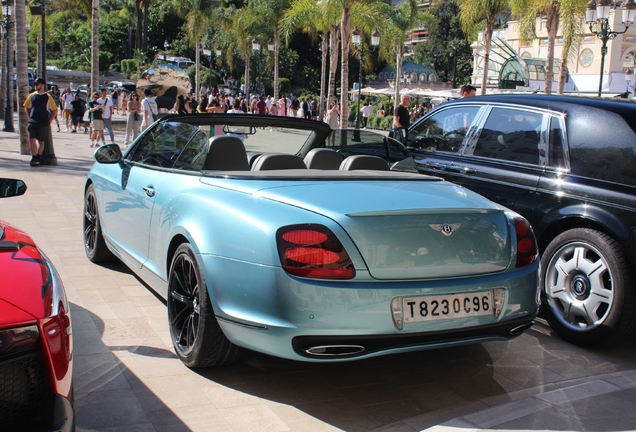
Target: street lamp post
256,46
356,38
7,24
597,17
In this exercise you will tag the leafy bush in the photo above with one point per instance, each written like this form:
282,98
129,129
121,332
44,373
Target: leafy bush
130,68
284,85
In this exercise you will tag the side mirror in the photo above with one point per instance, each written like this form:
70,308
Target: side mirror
108,154
11,187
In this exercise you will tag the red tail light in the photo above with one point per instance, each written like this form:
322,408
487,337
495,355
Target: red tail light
313,251
527,249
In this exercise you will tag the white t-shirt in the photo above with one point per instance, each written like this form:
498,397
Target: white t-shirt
149,107
367,110
67,98
107,106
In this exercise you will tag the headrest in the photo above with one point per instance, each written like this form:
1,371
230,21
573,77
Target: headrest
226,153
323,159
364,162
278,161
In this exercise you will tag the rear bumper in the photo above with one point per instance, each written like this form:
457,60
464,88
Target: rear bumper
345,347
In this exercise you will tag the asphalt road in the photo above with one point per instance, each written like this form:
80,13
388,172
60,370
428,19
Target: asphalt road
127,377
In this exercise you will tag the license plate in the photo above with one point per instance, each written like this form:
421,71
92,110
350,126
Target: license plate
431,308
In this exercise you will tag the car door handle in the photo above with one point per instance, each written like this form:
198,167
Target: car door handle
150,191
437,166
459,169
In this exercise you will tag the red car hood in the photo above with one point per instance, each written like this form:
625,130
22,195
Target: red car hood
23,276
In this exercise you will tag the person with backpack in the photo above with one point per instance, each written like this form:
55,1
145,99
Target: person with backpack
78,108
148,109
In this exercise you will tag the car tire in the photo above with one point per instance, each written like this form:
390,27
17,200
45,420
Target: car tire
587,288
196,335
94,244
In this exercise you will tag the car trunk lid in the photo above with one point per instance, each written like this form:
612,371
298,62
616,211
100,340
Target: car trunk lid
410,230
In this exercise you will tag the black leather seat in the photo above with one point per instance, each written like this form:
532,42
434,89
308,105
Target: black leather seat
277,161
226,153
323,159
364,162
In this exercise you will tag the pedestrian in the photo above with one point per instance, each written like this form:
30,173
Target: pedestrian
133,120
467,91
114,96
149,109
78,108
123,101
65,101
282,106
261,106
295,106
107,115
314,108
193,103
366,110
306,109
56,99
381,111
42,110
95,110
274,109
332,116
203,105
402,116
180,105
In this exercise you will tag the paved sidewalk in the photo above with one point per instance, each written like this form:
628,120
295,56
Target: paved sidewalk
127,377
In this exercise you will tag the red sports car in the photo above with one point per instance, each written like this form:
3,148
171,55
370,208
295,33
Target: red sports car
36,344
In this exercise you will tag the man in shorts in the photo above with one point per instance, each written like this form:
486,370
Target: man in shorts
42,110
97,124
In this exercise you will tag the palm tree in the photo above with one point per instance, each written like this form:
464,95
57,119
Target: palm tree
243,25
196,13
22,74
364,13
272,13
317,20
95,47
398,23
472,13
567,13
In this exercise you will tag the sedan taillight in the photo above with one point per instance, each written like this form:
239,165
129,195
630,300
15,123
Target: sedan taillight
313,251
527,249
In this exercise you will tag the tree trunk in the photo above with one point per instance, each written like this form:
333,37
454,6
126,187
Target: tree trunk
276,58
248,56
3,77
398,73
23,74
197,62
333,64
130,42
144,40
345,32
140,24
490,25
323,76
552,25
95,49
563,72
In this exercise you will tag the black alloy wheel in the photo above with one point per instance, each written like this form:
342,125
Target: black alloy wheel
196,336
94,244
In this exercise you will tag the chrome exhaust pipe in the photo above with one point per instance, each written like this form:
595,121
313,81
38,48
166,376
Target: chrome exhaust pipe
520,328
334,350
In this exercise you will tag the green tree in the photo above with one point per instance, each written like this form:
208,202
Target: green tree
474,12
398,23
446,49
552,10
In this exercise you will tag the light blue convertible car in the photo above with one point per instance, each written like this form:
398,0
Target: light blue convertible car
283,236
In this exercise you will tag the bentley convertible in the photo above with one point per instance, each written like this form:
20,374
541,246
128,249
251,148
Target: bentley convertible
283,236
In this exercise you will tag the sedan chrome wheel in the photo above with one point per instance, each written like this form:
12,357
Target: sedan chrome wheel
584,279
196,336
579,286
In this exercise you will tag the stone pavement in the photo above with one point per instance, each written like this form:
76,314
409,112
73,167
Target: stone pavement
127,377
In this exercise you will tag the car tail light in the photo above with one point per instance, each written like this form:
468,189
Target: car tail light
527,249
313,251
